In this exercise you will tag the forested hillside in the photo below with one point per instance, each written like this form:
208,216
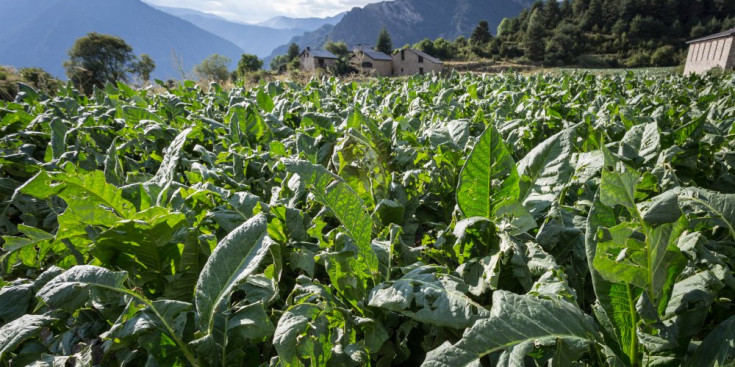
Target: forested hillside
595,32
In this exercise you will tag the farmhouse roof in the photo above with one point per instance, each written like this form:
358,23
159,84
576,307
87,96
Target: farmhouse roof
320,54
376,55
714,36
425,56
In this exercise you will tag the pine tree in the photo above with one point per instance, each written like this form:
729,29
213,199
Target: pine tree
552,14
481,35
293,51
566,9
533,44
384,44
593,15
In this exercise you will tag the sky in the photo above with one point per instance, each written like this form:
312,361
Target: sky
253,11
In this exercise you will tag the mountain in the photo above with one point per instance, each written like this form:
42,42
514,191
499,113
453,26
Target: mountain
252,39
308,24
182,12
40,32
259,39
409,21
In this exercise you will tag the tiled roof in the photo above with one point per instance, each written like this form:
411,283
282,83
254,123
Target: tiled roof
714,36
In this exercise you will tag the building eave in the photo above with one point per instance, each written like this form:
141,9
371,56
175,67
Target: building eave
725,34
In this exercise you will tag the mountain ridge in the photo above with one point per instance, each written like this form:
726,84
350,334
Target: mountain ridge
259,39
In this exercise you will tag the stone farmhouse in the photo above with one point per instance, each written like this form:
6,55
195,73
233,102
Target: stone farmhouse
372,62
368,61
409,62
311,60
715,50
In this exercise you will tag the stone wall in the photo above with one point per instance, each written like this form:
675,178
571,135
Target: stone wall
705,55
372,67
406,62
308,62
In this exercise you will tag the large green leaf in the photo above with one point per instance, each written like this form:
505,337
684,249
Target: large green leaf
721,206
619,189
167,171
133,115
331,191
651,264
21,329
308,334
430,298
641,143
488,178
617,301
515,319
142,244
90,200
546,170
26,250
718,348
236,256
72,289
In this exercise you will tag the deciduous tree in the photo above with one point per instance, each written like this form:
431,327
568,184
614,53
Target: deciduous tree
144,67
96,59
213,68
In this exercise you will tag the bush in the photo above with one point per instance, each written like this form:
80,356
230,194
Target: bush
213,68
664,56
40,80
8,83
36,78
639,59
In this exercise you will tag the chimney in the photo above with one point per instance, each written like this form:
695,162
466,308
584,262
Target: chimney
308,48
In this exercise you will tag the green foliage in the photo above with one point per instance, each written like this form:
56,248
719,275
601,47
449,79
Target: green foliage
97,59
213,68
340,49
384,44
144,67
633,33
248,64
290,61
560,220
533,43
293,51
481,35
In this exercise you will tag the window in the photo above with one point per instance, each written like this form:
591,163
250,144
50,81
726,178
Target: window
367,64
403,55
421,70
421,59
321,63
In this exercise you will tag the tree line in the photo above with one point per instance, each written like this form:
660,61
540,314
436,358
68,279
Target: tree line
594,32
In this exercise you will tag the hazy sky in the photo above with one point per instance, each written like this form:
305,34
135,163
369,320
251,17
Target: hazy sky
253,11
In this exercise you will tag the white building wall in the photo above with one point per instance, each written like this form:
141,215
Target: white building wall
705,55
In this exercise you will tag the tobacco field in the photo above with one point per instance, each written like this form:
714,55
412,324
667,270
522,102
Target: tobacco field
506,220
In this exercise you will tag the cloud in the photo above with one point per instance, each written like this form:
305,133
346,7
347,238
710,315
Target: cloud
253,11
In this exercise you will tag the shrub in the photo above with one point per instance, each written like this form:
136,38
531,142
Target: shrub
664,56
